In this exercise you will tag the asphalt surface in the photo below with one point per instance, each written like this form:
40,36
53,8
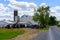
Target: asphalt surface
52,34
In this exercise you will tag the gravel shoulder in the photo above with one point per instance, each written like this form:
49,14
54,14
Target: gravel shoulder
30,33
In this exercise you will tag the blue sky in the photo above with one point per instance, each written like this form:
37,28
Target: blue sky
38,2
27,7
48,2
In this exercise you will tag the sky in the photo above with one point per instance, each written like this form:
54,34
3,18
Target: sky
26,7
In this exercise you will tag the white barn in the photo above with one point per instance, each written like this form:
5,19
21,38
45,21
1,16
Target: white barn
28,19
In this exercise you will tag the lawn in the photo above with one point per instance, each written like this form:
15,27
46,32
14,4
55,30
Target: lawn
10,33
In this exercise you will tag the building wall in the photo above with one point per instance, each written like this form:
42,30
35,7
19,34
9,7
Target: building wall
28,19
17,18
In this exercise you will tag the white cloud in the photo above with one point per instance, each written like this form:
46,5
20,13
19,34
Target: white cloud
57,8
17,4
5,10
54,12
23,7
57,15
26,13
7,16
4,14
32,5
2,8
43,4
14,7
28,6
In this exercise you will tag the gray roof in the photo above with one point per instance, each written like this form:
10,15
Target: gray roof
3,23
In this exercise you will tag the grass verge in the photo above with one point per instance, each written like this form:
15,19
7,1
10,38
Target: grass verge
10,33
46,28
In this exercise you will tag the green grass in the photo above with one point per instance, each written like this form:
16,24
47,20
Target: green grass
46,28
10,33
58,26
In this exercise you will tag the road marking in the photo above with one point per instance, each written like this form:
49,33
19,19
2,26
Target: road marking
50,34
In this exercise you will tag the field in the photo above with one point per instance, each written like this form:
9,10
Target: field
10,33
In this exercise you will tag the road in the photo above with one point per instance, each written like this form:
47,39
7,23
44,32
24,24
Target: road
52,34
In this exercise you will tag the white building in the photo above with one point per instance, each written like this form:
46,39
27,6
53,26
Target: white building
25,19
28,19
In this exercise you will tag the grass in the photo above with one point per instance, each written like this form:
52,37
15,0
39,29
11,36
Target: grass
46,28
10,33
58,26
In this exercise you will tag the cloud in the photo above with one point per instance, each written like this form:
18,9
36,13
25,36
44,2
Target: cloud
15,4
57,7
43,4
6,16
26,8
57,15
2,8
54,12
4,12
23,8
26,13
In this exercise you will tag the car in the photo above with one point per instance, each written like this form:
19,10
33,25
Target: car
38,26
35,26
29,25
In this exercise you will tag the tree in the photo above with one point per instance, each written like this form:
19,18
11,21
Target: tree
41,15
52,20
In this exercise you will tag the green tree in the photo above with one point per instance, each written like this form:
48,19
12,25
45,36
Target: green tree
41,15
52,20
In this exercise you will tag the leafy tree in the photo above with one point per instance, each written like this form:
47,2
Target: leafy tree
52,20
41,15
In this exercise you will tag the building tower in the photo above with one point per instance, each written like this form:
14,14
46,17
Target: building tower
15,14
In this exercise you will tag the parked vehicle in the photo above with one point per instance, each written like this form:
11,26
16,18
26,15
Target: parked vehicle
38,26
29,25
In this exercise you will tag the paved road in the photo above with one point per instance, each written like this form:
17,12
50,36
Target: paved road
52,34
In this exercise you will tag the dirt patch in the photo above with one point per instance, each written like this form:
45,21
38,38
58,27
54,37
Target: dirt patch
30,33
